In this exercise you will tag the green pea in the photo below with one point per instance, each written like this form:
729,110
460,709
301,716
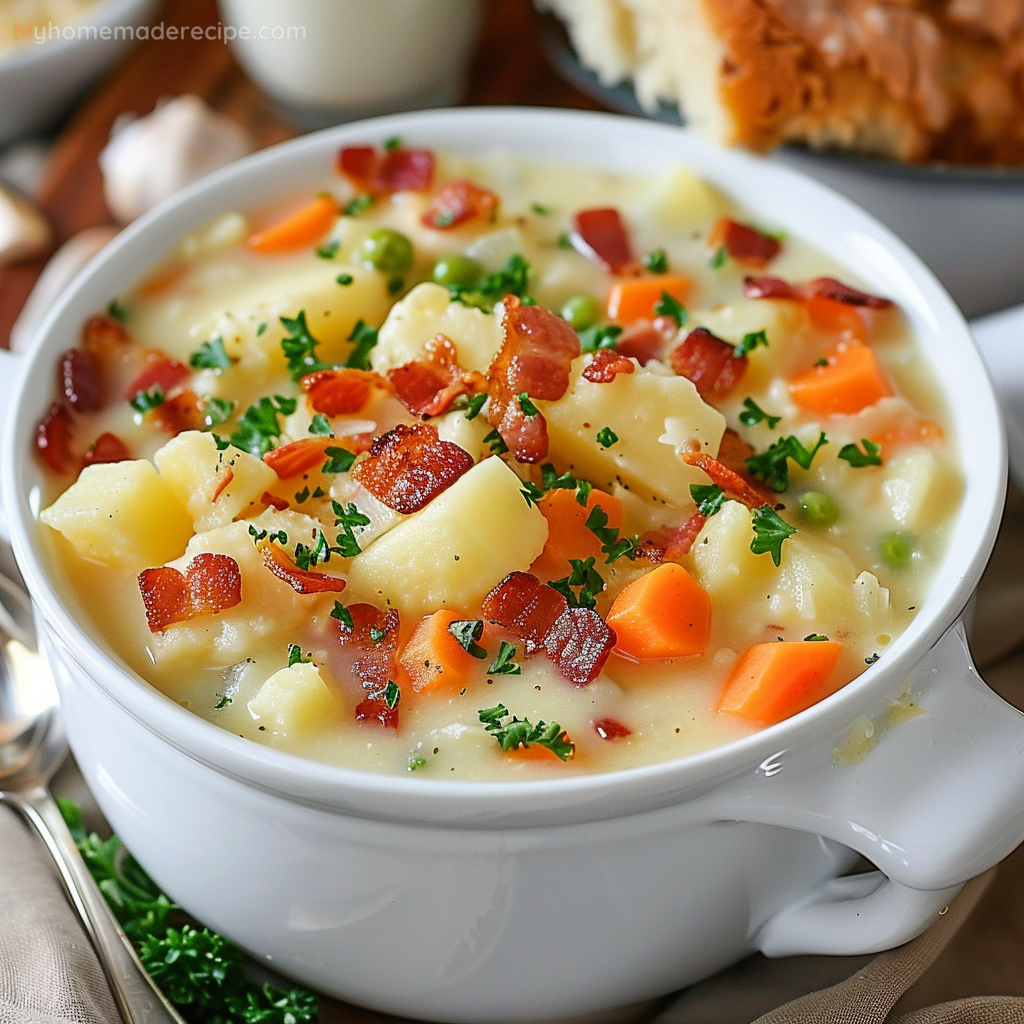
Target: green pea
386,250
818,508
897,549
456,271
581,312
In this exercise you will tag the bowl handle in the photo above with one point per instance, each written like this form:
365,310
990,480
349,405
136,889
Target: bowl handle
10,367
938,799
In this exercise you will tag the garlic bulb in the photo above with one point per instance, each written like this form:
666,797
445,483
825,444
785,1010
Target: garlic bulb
24,231
152,157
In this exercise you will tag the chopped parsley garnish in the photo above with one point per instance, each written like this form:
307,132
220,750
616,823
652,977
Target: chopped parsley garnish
656,261
613,546
391,694
606,437
348,517
531,492
147,401
564,241
223,700
319,426
528,408
216,411
668,306
552,481
329,250
257,535
364,338
358,204
339,460
871,456
772,466
583,489
296,657
521,733
376,635
750,341
392,142
395,284
319,492
474,404
814,636
496,443
770,530
512,279
503,665
117,310
211,355
719,259
307,557
258,426
222,443
280,537
262,327
540,210
585,578
708,498
596,337
417,761
344,279
302,496
299,347
343,615
821,362
467,632
753,414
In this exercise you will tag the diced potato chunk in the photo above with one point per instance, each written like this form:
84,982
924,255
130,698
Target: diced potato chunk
428,311
639,408
467,434
920,489
723,562
295,700
680,201
196,471
450,554
121,514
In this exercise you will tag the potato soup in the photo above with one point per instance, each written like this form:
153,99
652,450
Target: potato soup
485,469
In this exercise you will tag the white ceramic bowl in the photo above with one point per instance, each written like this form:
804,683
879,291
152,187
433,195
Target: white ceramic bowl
40,81
526,900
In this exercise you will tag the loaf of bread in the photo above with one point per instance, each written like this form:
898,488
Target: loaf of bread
913,80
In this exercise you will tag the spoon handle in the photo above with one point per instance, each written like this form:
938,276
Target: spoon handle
137,997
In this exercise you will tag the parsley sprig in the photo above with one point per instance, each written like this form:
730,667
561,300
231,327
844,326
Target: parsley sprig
299,347
708,498
770,530
211,355
467,632
512,279
348,517
604,336
752,414
585,578
613,546
503,665
521,733
259,427
669,306
772,465
871,456
751,340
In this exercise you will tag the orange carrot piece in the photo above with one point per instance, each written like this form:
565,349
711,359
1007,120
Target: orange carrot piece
664,614
434,659
850,381
634,299
774,681
834,317
303,227
568,536
907,432
300,456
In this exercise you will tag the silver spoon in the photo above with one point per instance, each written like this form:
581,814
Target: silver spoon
32,747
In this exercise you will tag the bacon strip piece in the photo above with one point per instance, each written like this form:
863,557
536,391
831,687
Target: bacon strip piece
180,412
410,466
340,392
671,544
458,202
833,289
54,436
299,456
271,499
79,372
536,358
730,481
159,371
430,383
610,728
300,580
382,173
744,243
769,288
108,448
709,362
601,236
606,366
578,644
367,653
645,340
733,453
211,583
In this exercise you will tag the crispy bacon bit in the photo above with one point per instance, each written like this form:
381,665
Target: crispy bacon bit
54,436
709,362
183,411
744,243
833,289
376,708
102,333
210,584
160,371
611,729
671,544
79,372
644,340
272,499
410,466
733,453
366,654
299,456
381,173
430,383
601,236
769,288
730,481
340,392
108,448
457,202
579,644
606,366
300,580
535,358
224,478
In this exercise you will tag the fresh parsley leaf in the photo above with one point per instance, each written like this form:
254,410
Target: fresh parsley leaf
474,404
348,517
583,489
496,443
564,241
395,284
392,142
358,204
772,466
596,337
343,615
376,635
319,492
329,250
295,656
606,437
279,536
258,428
339,460
554,482
299,347
512,279
668,306
364,338
719,259
521,733
257,535
753,414
391,694
302,496
612,545
656,261
531,492
417,761
147,401
344,279
871,456
821,362
708,497
223,700
319,426
467,632
216,411
541,211
211,355
750,341
585,578
117,310
528,408
814,636
262,327
503,665
770,530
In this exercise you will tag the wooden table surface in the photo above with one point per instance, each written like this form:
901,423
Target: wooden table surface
987,956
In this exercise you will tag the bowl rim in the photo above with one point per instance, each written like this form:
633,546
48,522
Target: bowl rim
576,798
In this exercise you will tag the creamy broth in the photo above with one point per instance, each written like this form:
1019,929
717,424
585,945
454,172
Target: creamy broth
856,566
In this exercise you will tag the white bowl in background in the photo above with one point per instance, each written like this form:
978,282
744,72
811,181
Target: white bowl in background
528,900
